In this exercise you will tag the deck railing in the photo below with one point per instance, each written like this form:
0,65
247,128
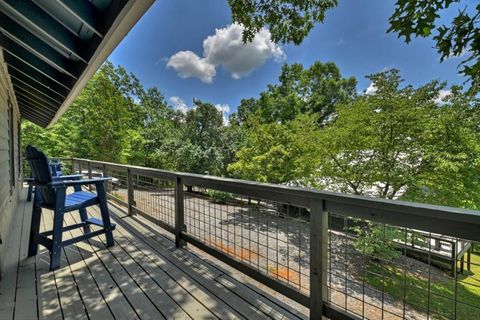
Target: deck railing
342,256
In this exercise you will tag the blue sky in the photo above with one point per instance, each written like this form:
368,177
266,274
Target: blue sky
353,36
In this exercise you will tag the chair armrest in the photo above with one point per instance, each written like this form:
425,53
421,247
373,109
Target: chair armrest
68,177
71,183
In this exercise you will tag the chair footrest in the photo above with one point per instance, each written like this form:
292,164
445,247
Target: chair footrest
87,222
83,237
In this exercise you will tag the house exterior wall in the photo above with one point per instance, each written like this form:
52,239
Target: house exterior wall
10,168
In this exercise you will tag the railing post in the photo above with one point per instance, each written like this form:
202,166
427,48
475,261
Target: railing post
105,175
89,174
73,166
318,258
130,193
179,213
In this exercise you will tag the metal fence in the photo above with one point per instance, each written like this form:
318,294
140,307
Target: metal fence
342,256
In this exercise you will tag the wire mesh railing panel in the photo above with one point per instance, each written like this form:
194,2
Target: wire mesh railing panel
83,169
117,187
155,198
269,237
379,271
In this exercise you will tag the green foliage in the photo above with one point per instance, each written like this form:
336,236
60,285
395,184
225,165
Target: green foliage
314,90
454,157
153,136
201,144
461,37
288,20
398,139
219,196
101,117
278,153
377,241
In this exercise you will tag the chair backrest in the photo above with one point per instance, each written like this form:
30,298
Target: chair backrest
56,168
41,174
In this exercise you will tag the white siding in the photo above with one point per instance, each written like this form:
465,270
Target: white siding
8,196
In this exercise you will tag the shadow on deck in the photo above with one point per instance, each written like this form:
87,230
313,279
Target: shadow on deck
142,277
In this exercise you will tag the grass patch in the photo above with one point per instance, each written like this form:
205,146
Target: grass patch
119,195
414,287
220,196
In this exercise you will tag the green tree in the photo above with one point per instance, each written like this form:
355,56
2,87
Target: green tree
200,146
455,178
313,90
151,139
278,153
404,142
379,143
101,115
54,142
98,122
288,20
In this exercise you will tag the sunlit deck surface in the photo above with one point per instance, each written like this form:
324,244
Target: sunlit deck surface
142,277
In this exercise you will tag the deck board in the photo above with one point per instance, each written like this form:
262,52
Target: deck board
71,301
143,276
92,297
106,286
9,279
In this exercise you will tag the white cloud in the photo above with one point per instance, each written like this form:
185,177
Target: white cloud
223,108
442,94
371,89
179,104
226,49
188,64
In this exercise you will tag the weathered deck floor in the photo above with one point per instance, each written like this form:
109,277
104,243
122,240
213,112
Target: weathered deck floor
142,277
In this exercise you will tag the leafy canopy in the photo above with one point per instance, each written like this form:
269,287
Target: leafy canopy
277,153
404,142
288,20
461,37
314,90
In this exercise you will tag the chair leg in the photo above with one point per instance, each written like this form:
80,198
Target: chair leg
56,252
84,217
102,199
34,229
83,212
29,193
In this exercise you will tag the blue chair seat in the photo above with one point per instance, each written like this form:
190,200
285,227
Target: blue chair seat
79,199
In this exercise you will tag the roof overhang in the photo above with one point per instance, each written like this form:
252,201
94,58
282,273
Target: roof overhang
53,47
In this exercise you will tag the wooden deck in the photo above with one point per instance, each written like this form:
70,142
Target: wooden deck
142,277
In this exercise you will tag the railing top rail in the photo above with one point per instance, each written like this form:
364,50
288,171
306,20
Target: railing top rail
440,219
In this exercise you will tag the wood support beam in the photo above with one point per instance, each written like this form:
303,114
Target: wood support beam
61,71
41,24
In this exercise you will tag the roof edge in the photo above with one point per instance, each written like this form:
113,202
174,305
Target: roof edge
122,25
